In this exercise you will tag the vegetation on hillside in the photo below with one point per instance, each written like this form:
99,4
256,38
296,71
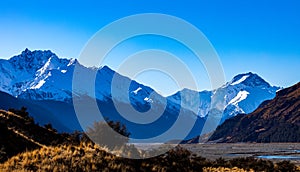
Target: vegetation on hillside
43,149
19,133
91,157
109,133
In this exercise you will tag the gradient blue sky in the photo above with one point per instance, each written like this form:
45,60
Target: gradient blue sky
249,35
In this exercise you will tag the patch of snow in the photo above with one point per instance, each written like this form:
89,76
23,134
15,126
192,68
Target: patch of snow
242,95
241,110
137,90
279,89
39,85
240,80
44,68
148,100
72,61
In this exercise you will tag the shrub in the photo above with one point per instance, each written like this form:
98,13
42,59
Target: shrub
286,166
110,134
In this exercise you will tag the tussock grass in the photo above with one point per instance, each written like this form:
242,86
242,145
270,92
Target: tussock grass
223,169
60,158
91,157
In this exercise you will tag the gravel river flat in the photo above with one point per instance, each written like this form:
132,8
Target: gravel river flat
270,151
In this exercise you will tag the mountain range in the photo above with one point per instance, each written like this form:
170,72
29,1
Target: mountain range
42,82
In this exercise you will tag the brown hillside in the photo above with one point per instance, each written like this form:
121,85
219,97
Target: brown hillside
18,133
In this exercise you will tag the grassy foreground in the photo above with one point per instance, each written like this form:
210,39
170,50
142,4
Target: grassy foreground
90,157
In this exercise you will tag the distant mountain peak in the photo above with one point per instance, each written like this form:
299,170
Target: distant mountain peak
32,59
249,79
36,53
105,68
26,51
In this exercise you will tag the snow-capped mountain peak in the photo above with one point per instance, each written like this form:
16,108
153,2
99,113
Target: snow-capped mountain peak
31,59
243,94
249,79
238,81
41,75
29,71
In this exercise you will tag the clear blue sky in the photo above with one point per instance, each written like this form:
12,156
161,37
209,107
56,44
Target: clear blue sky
261,36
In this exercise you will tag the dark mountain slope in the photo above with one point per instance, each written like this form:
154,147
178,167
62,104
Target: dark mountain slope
277,120
63,117
44,112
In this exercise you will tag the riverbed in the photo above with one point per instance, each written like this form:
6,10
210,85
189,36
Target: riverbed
270,151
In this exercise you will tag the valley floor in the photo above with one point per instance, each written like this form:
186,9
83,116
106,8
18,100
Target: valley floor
271,151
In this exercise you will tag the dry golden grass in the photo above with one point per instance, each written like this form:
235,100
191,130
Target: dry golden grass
61,158
223,169
90,157
85,157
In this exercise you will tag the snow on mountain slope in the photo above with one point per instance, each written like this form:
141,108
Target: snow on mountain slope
247,95
186,98
243,94
47,81
41,75
243,78
29,74
19,71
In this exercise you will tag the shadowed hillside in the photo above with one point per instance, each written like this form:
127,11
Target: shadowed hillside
18,133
